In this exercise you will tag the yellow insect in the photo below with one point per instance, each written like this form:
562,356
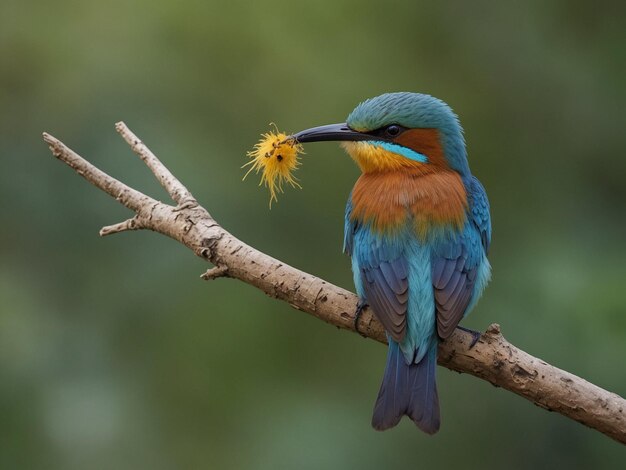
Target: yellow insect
276,157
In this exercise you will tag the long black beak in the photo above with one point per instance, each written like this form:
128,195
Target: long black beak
331,132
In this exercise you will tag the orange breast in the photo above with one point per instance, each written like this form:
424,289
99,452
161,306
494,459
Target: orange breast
387,200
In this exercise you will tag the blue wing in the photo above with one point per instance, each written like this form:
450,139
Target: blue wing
386,288
383,275
479,211
453,280
456,263
349,228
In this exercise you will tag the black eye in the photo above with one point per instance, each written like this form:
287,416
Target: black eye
393,130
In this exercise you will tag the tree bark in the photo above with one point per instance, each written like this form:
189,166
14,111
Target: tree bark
491,358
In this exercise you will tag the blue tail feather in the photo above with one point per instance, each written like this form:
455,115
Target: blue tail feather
408,389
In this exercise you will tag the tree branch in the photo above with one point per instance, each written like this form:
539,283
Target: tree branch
492,358
174,188
130,224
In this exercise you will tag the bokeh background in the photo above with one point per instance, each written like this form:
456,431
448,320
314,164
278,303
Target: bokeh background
114,354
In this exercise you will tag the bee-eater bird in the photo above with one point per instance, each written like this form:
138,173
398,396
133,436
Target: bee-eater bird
417,228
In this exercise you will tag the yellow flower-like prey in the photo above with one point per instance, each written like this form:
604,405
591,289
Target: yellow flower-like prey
276,157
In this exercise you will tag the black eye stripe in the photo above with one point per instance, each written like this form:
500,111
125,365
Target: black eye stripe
388,132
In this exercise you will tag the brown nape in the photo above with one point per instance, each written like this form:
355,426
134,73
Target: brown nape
386,199
426,142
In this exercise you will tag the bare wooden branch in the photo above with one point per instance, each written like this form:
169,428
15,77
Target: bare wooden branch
214,273
174,188
492,358
131,224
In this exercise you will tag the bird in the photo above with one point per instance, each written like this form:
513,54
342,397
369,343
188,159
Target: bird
418,230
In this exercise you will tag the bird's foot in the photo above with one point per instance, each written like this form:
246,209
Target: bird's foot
475,335
360,306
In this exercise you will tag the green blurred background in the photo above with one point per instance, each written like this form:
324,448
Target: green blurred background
114,354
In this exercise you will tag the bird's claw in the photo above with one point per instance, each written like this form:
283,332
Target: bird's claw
475,335
360,306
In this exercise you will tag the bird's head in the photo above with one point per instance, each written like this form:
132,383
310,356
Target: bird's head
397,130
